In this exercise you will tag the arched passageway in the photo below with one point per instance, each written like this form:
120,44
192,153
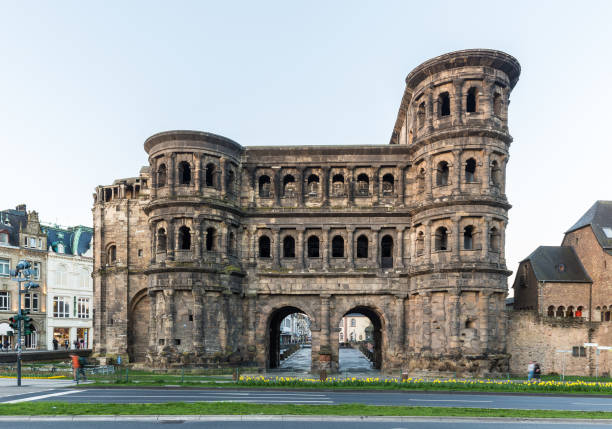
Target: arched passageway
289,331
360,338
138,328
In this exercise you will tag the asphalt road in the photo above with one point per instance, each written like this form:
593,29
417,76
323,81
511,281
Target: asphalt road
451,399
306,424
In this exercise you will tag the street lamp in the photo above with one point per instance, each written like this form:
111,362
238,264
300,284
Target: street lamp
21,274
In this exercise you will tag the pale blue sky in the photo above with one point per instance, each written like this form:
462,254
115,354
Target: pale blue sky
83,84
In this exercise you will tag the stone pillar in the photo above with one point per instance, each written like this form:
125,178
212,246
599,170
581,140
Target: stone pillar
483,317
502,242
277,247
376,185
428,238
252,318
169,314
429,109
486,174
198,320
457,98
486,221
300,249
413,237
152,320
252,172
376,247
400,322
172,173
401,185
325,244
351,186
170,240
502,185
454,298
212,310
350,248
399,247
428,177
456,255
457,162
198,172
300,186
324,336
325,187
487,105
153,232
198,239
153,180
426,333
277,186
253,246
223,177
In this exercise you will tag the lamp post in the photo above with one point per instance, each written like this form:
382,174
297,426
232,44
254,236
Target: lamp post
21,274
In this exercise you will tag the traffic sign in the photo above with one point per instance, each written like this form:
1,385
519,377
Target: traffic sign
564,351
604,348
590,344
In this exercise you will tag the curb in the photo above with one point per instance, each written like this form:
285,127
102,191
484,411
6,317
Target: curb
290,418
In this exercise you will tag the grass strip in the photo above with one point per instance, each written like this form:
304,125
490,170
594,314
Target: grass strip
236,408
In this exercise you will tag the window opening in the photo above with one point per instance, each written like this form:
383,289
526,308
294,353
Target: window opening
184,237
441,238
264,186
497,104
264,246
313,185
161,240
363,185
421,115
420,243
388,182
472,100
494,240
470,170
162,174
289,186
210,239
444,100
184,170
468,237
338,247
362,246
442,174
386,247
313,246
112,254
338,185
210,174
288,247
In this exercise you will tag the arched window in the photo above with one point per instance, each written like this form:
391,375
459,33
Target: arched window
421,180
494,240
386,254
444,104
112,254
601,315
229,185
560,311
442,173
579,311
363,185
570,312
313,246
184,238
470,170
362,246
288,247
264,246
338,185
441,239
420,243
421,115
289,186
210,239
161,240
338,247
313,185
210,174
184,173
162,174
497,104
495,174
264,186
551,311
468,237
388,182
472,100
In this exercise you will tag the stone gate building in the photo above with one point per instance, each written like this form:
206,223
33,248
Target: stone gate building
200,257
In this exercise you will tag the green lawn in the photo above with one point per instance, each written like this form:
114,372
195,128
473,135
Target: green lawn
225,408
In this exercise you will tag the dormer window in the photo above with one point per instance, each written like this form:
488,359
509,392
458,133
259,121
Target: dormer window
606,229
32,242
4,238
60,248
561,268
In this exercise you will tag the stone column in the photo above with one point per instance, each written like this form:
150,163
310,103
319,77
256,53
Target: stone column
324,337
457,162
487,105
399,247
429,108
252,172
253,246
153,180
376,185
198,239
483,317
486,221
428,177
172,173
456,255
170,239
252,324
169,313
454,298
153,232
502,242
413,237
212,309
400,322
428,238
458,97
223,177
325,244
300,248
376,247
152,320
277,247
426,333
325,187
198,172
486,174
198,320
350,248
401,184
502,185
351,186
300,186
277,186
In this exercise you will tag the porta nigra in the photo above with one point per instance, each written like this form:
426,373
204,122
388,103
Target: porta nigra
200,257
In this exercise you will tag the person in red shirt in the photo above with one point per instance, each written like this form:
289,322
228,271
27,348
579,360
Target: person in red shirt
75,366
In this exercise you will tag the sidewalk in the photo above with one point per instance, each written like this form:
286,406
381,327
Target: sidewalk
8,386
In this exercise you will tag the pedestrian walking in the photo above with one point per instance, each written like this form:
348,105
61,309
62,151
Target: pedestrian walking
66,344
75,367
7,346
82,363
530,370
76,344
55,343
537,371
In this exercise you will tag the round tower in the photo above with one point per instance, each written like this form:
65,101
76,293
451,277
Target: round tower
454,116
194,222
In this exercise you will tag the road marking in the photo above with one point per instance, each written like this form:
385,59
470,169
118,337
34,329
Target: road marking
35,398
444,400
196,396
592,403
275,401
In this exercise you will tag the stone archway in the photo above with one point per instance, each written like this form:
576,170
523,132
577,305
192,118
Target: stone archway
138,326
274,334
374,335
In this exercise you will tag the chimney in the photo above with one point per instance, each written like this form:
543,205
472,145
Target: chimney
21,208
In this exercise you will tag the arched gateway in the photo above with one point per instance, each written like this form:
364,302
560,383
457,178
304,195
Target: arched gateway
223,240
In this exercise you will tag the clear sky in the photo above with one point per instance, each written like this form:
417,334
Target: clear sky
83,84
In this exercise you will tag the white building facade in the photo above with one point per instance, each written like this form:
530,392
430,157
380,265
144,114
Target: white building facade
70,288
